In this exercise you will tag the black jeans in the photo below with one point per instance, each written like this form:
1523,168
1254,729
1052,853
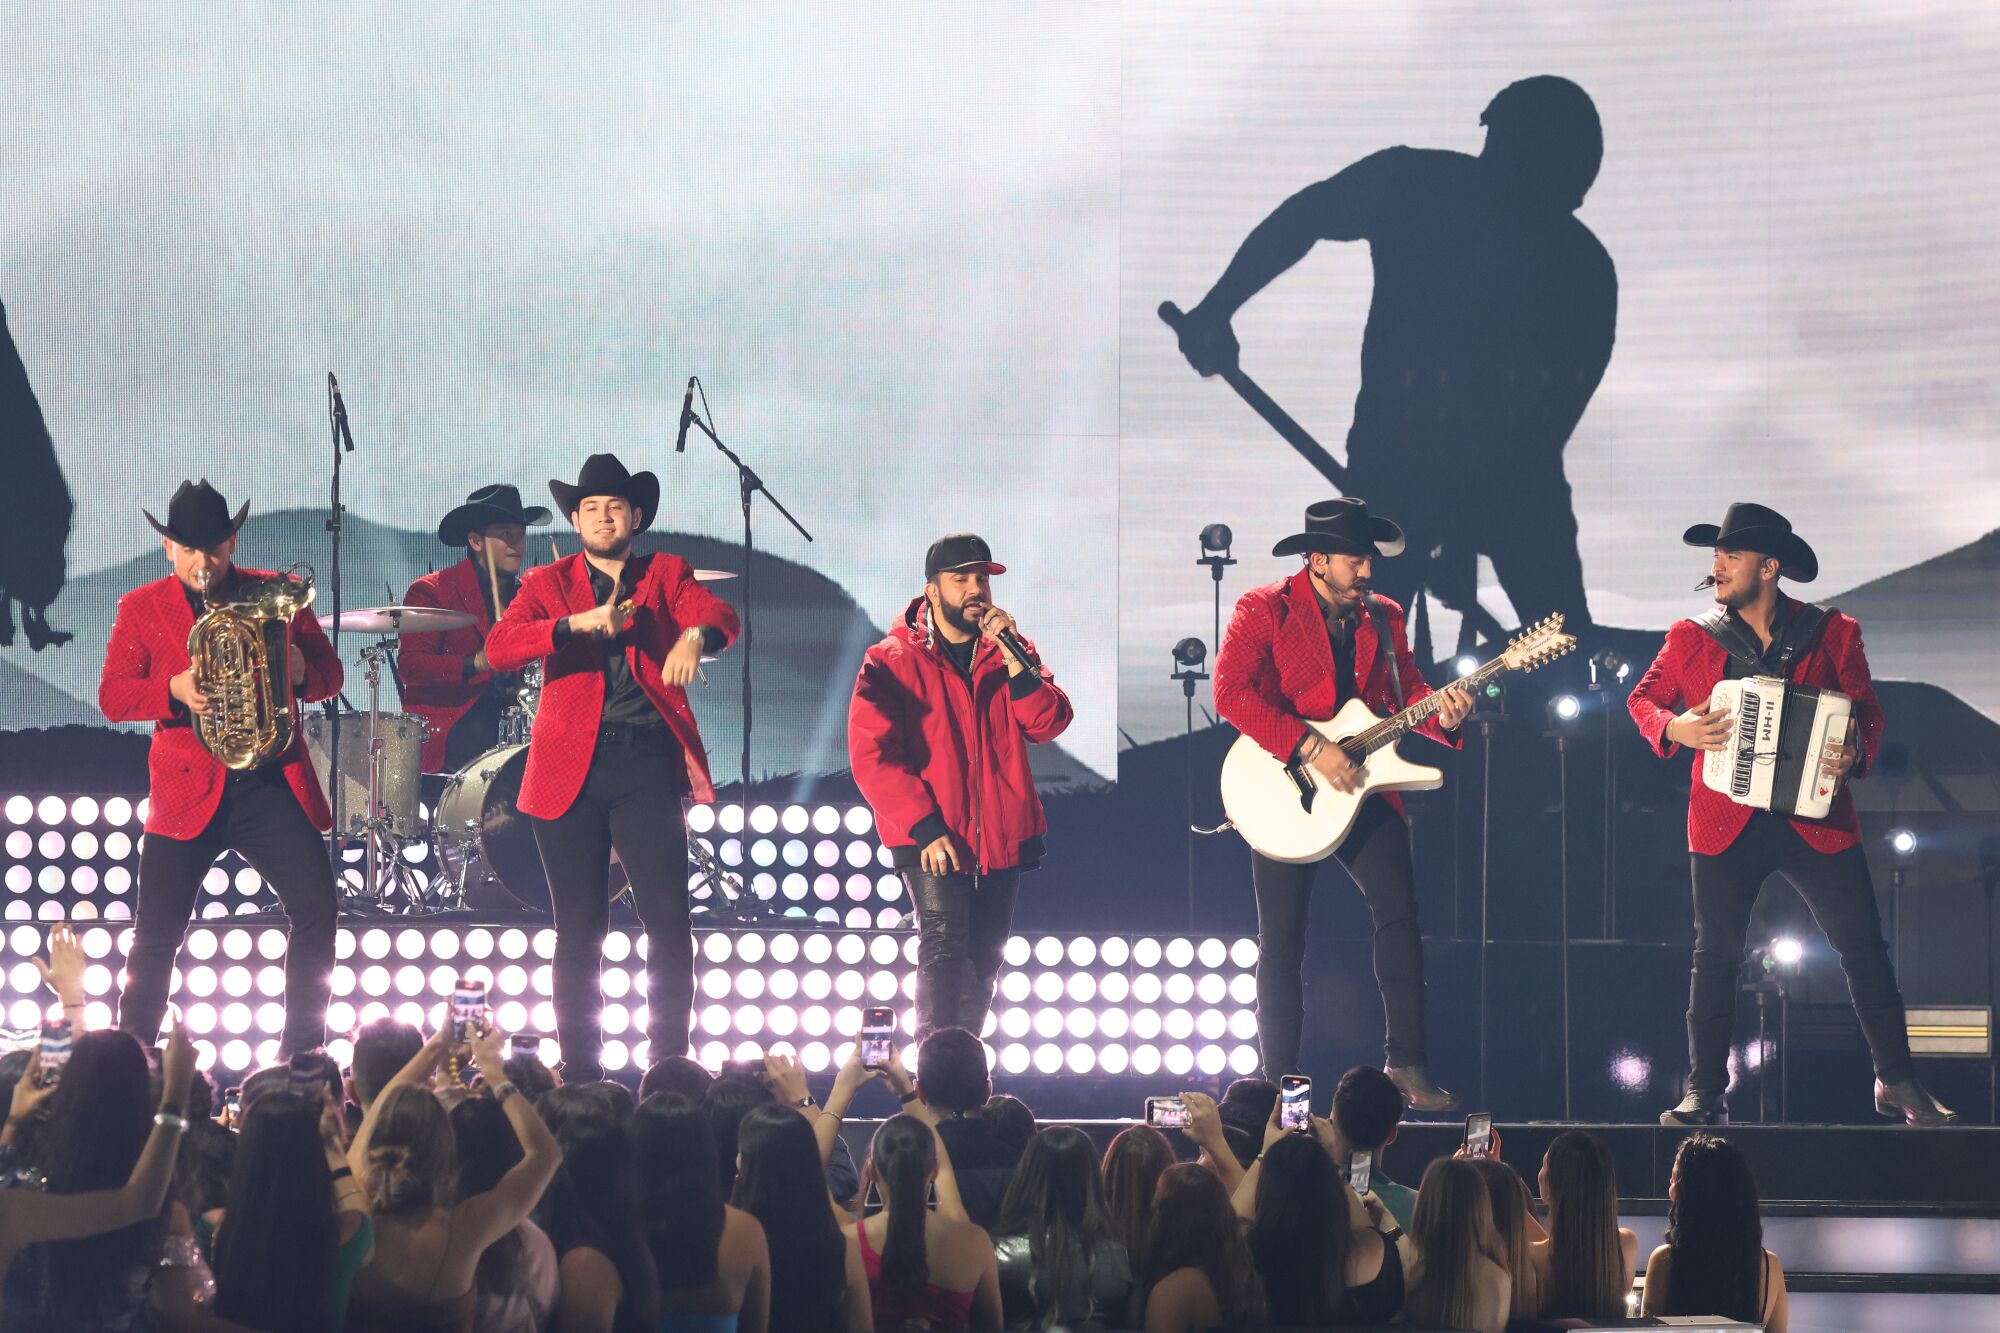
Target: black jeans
1837,888
261,819
632,798
1377,855
961,935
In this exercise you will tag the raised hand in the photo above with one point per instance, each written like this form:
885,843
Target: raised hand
63,970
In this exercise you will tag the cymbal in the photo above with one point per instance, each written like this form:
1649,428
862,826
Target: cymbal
713,575
400,620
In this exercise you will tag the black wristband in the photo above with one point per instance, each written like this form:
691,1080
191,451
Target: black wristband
909,1096
343,1171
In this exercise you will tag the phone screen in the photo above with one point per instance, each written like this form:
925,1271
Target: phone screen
1166,1113
55,1050
878,1036
468,1009
1361,1171
1295,1103
1479,1134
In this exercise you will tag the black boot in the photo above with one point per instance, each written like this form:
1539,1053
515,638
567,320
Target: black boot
1414,1081
1907,1099
1697,1108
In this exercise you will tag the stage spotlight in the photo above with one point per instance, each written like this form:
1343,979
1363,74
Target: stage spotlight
1787,952
1466,665
1190,652
1564,708
1904,844
1217,537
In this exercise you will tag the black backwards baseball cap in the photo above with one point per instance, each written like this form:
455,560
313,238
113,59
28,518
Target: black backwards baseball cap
959,553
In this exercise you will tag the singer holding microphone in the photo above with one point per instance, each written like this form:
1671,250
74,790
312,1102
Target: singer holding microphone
938,729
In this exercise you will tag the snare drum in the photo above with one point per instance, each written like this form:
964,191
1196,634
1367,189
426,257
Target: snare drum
487,846
402,736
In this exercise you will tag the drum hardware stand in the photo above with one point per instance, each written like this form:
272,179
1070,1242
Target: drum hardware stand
376,829
748,484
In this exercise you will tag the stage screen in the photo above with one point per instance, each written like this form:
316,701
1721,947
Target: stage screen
916,255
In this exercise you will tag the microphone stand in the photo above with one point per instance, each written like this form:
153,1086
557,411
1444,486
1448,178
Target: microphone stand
335,521
748,484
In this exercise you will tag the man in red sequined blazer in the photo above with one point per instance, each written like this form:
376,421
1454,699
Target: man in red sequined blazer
1298,649
1758,631
272,814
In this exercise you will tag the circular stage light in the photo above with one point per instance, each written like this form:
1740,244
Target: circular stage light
1465,666
1567,707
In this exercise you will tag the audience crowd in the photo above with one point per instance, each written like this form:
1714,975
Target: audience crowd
441,1186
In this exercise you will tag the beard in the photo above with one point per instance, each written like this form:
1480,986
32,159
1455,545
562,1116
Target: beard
956,617
608,548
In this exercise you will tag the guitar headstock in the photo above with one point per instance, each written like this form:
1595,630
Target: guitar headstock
1540,643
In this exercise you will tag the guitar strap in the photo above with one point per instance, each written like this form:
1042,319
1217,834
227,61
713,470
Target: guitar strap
1384,644
1744,657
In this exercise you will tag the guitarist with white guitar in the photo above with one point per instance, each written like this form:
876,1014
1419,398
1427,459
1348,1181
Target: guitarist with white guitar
1297,650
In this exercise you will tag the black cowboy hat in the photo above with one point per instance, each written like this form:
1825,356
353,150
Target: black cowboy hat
198,517
1752,527
603,474
483,508
1343,527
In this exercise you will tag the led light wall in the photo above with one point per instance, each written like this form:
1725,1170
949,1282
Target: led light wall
1078,1005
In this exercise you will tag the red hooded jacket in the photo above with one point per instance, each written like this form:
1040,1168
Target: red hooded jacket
1276,667
1691,663
933,752
148,649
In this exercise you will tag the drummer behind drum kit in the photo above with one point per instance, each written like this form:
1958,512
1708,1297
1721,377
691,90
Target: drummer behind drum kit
484,849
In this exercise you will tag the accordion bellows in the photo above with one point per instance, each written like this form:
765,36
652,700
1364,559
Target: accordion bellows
1782,733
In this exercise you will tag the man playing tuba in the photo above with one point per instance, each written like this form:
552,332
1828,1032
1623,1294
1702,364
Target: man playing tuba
257,793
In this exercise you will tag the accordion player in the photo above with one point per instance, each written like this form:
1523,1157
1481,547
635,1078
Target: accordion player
1783,733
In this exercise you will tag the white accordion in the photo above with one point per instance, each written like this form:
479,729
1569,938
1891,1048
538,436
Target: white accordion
1783,731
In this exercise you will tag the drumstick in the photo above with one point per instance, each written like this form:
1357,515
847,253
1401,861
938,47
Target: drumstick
492,579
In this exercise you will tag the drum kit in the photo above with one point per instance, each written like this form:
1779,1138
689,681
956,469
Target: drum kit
483,851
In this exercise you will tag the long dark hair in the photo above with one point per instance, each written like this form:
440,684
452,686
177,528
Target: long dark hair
1451,1228
94,1127
1194,1226
1132,1167
1714,1233
1303,1234
905,1158
680,1189
783,1185
1587,1274
596,1207
274,1255
1056,1200
488,1148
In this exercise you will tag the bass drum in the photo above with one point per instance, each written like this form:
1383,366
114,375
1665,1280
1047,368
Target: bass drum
486,846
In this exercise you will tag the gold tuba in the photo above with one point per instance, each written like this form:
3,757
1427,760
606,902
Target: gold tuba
240,654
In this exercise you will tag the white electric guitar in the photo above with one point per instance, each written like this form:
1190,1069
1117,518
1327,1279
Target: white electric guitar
1289,812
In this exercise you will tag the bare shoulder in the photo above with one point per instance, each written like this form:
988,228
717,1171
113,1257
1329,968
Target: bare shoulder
587,1266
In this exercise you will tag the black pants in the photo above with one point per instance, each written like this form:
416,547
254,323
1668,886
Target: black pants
630,797
261,819
1837,888
961,935
1377,854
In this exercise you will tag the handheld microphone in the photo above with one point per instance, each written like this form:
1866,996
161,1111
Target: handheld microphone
1011,641
687,416
339,412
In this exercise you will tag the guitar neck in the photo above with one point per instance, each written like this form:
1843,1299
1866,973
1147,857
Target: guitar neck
1392,728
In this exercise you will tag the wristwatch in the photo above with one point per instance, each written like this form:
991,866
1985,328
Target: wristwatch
804,1102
